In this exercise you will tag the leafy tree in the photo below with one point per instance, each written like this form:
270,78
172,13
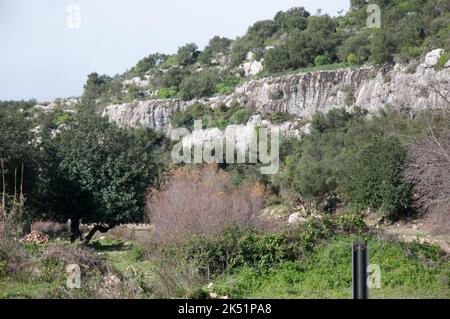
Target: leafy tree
199,85
292,19
357,45
257,35
382,47
173,77
219,44
148,63
376,179
95,88
17,149
187,54
356,4
239,49
300,49
97,173
277,59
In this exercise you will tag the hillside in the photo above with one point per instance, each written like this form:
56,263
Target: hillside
363,154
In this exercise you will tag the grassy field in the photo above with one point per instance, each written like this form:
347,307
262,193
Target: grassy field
408,270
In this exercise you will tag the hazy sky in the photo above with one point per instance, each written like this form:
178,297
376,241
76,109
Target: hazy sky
41,57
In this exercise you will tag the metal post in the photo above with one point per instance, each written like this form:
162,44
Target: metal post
360,263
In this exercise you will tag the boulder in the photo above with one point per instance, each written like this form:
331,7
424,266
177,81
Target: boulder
296,218
432,58
252,68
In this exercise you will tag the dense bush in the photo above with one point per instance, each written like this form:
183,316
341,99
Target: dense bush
376,179
97,173
187,54
352,158
199,85
239,247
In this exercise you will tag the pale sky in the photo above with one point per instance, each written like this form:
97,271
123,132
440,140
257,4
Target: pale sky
42,58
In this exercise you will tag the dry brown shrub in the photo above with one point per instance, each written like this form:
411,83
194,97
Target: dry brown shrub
429,172
13,258
202,202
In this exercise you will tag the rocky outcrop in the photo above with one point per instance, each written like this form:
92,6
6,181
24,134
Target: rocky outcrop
410,87
432,58
155,114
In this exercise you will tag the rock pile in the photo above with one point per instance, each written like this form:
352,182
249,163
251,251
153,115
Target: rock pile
35,237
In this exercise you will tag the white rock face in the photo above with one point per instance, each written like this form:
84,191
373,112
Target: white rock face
407,87
137,81
252,68
447,65
296,218
155,114
432,58
240,135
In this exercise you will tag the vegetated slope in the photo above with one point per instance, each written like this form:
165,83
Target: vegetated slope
293,40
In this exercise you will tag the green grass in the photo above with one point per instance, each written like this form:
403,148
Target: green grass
407,271
10,288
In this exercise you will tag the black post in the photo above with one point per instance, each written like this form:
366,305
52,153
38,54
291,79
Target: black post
360,263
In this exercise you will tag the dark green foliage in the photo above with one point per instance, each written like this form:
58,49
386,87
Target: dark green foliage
376,179
321,60
98,173
95,88
187,54
277,59
219,44
199,85
339,158
292,19
358,45
280,117
173,77
228,84
382,47
236,247
292,40
220,117
148,63
16,140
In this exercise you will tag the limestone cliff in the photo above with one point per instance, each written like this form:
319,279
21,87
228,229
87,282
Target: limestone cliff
414,87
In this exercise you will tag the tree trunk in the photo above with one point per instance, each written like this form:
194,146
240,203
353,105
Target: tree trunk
75,232
100,228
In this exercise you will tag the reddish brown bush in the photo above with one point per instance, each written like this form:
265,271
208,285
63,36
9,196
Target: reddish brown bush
202,202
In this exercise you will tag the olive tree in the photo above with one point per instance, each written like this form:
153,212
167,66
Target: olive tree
97,173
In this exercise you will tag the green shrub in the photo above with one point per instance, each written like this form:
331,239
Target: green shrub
227,85
321,60
199,85
167,93
280,117
376,178
444,58
352,59
237,247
